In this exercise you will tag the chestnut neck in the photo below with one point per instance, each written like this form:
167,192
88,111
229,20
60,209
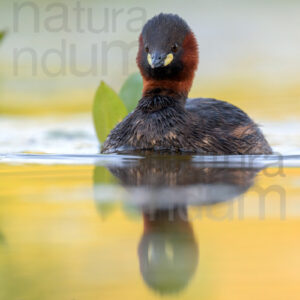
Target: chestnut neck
178,90
161,94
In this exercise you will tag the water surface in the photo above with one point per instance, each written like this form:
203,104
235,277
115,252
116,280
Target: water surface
78,225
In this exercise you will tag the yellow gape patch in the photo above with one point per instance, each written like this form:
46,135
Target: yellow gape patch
168,59
149,60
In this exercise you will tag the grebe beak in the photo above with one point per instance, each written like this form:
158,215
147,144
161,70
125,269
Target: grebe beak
157,59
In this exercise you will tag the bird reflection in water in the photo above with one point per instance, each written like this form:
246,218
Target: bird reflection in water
168,251
163,186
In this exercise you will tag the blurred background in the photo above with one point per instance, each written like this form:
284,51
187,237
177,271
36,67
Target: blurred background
55,53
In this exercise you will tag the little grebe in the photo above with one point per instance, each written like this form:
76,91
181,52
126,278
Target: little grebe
164,119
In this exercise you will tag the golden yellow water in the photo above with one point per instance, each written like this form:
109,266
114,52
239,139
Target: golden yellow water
55,243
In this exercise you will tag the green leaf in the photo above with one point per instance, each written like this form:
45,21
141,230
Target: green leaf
2,35
108,110
131,91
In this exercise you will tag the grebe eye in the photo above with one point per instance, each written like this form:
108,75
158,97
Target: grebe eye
174,48
147,49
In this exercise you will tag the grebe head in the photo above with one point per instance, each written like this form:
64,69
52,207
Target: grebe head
168,51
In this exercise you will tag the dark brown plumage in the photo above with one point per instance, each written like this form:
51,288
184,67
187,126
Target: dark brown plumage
164,119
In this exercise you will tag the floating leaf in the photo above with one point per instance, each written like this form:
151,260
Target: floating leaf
131,91
108,111
2,35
